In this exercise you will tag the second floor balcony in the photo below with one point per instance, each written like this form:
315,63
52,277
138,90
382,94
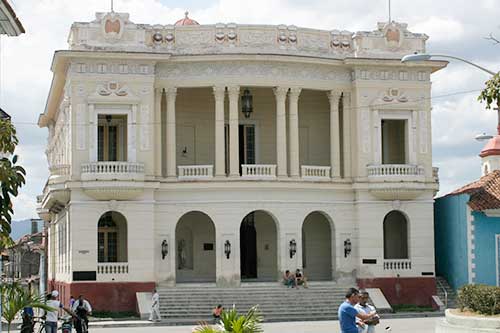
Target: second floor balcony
112,171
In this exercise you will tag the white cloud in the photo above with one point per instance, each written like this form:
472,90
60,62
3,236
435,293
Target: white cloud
441,28
455,27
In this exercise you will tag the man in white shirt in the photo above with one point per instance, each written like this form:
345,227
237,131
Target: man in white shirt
367,326
82,309
155,307
51,316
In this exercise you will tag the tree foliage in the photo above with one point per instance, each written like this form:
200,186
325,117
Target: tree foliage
491,94
12,177
15,298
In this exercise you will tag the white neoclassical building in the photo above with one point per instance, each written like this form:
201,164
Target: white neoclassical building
229,153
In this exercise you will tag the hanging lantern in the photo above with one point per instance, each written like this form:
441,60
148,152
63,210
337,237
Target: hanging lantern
247,103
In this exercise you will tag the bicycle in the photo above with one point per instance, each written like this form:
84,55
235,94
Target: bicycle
82,322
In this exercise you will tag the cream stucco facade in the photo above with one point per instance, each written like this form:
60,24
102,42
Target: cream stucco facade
145,122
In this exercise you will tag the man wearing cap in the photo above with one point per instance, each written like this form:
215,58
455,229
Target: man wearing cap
51,316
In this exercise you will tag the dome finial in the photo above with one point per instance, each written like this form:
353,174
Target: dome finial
186,14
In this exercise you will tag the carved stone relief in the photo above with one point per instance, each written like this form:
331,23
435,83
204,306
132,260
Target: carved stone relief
423,131
145,126
80,127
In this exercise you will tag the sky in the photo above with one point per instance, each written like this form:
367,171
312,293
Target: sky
455,27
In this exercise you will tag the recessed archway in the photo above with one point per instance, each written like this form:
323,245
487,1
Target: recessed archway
395,236
259,247
195,248
112,243
317,245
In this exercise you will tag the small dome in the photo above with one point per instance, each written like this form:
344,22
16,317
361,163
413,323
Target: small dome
186,21
492,147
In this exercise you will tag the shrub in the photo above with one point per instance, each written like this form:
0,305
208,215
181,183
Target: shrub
480,298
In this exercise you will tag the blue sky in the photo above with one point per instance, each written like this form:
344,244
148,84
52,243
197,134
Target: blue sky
455,27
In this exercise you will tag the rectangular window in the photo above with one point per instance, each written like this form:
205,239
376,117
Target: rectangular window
112,138
112,247
100,247
394,150
247,144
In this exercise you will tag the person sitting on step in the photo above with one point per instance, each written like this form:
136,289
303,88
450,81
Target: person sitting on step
217,312
300,279
289,279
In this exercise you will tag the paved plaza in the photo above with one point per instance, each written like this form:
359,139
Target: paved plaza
407,325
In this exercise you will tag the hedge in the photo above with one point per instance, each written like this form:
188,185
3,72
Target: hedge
480,298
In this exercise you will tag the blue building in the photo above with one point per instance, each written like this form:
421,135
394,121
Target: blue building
467,227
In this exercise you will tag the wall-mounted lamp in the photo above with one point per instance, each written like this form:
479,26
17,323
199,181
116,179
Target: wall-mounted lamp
227,248
247,103
164,249
108,118
184,151
293,248
347,247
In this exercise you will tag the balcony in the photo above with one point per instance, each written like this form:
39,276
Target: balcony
195,172
396,172
258,171
112,268
315,173
113,171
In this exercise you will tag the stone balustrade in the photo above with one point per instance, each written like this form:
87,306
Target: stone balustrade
59,170
112,268
258,171
195,172
112,171
398,170
313,172
397,264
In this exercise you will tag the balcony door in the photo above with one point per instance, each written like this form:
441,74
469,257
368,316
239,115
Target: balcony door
112,138
247,145
394,141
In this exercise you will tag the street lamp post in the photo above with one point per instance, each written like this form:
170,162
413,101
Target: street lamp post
425,56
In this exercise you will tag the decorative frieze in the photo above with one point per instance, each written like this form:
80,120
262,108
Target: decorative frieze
386,74
108,67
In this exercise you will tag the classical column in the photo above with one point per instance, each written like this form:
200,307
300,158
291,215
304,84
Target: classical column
234,154
157,130
280,93
171,145
294,131
334,97
220,149
346,130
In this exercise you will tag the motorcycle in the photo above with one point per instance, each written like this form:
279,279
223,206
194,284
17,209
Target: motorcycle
66,324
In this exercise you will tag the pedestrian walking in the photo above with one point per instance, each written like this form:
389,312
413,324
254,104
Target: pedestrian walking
155,307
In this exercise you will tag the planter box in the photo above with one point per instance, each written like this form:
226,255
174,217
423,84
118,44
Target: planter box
456,323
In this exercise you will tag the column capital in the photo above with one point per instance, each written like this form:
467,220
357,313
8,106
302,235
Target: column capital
280,92
171,91
334,95
295,93
219,91
233,91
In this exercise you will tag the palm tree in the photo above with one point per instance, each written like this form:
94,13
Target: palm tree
15,298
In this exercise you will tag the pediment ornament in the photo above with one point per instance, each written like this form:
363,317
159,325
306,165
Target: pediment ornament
112,88
112,26
394,95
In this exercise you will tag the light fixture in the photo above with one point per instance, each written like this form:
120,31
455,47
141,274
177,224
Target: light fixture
108,118
416,57
164,249
293,248
227,248
184,151
247,103
347,247
483,137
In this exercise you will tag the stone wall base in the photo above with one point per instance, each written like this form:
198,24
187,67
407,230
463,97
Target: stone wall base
103,296
417,290
456,323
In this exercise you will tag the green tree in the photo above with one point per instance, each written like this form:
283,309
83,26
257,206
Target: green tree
12,177
15,298
491,94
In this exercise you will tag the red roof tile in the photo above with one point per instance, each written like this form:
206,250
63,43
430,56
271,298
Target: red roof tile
484,193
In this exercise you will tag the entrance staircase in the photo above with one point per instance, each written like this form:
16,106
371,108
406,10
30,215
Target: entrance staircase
441,285
193,303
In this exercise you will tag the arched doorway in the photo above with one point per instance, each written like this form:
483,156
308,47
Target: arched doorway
112,238
317,246
395,236
259,247
195,248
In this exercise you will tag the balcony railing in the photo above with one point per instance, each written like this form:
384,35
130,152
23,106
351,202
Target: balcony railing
435,174
397,264
113,170
258,171
313,172
193,172
112,268
59,170
396,171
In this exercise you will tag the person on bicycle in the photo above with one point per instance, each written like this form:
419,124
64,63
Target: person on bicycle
51,316
82,309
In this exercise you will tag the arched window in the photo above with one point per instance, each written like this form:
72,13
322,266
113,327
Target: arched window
395,236
112,238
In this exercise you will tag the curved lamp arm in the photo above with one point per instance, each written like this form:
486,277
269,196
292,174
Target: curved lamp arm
424,56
